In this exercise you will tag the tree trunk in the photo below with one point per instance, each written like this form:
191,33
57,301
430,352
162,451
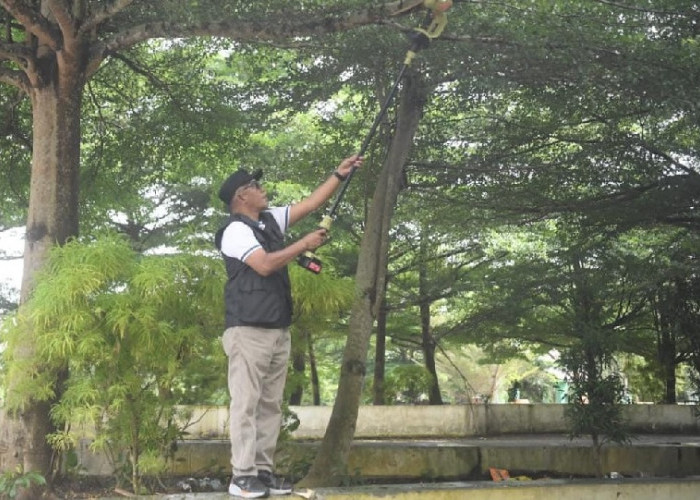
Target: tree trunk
315,383
330,464
427,340
52,219
667,322
667,359
299,366
378,396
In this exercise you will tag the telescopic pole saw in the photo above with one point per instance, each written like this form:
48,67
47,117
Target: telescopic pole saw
432,27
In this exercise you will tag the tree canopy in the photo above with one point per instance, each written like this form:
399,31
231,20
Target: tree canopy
535,185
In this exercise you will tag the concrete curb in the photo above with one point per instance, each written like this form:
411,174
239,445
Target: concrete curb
464,459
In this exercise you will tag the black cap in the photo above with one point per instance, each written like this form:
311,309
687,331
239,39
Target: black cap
236,180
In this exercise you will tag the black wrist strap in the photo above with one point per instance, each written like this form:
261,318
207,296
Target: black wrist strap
340,176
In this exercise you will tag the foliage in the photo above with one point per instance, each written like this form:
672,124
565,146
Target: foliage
6,302
183,127
13,482
15,149
407,384
596,388
554,126
595,402
321,305
598,145
595,409
137,336
645,383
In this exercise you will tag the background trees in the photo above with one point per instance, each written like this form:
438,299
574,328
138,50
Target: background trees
50,52
534,188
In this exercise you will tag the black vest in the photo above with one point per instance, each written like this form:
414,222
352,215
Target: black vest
252,299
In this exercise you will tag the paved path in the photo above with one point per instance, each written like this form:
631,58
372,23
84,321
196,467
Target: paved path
612,489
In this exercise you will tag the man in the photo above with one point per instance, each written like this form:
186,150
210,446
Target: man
258,315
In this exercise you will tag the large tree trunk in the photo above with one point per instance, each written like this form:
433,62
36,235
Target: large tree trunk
52,219
329,467
427,340
378,396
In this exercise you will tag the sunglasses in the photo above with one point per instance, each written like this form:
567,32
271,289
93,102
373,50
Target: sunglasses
252,184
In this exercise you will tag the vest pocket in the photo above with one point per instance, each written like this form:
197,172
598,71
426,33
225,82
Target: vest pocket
259,303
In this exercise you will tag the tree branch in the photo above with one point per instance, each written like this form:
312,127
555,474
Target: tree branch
682,221
10,257
471,392
65,20
15,52
284,27
658,152
102,15
632,7
15,78
153,79
33,21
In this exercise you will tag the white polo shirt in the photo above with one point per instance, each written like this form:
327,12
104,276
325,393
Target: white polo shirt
238,240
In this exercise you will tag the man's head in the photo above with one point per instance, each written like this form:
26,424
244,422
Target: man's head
237,183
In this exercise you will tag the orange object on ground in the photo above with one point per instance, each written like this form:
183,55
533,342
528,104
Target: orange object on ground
499,474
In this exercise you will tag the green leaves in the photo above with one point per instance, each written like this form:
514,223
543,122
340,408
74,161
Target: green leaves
13,482
136,336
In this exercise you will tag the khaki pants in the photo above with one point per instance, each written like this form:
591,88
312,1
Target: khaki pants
257,371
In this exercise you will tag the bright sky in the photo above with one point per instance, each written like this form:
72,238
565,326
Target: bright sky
11,249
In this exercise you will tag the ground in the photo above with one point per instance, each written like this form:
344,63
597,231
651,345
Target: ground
84,487
92,487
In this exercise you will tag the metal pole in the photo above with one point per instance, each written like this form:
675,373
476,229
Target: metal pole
432,27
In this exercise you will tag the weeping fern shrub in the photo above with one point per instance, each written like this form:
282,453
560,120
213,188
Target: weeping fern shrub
135,337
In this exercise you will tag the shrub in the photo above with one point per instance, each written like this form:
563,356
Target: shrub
122,340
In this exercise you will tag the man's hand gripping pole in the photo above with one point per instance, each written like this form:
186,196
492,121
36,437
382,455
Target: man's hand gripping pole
432,27
309,260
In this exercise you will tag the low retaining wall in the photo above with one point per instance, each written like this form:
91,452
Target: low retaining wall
446,454
449,421
452,459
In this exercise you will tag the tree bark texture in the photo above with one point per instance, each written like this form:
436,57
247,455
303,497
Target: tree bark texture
378,392
330,464
56,92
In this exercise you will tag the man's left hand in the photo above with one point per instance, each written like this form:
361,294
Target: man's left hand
348,164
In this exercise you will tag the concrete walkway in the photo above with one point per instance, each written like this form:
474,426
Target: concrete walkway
611,489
